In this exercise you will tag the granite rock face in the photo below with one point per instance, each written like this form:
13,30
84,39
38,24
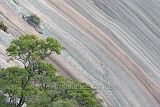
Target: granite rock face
113,45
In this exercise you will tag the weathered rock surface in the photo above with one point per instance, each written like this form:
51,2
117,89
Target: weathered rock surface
114,45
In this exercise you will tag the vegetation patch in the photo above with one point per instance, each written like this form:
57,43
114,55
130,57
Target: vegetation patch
33,20
37,84
3,27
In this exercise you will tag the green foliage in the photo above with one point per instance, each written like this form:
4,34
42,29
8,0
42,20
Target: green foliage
37,84
3,102
45,88
29,49
66,103
15,83
3,27
60,103
34,20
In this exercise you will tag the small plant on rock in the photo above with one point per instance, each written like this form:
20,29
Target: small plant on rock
34,20
3,27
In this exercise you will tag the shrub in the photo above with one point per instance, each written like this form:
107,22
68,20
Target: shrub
33,20
3,27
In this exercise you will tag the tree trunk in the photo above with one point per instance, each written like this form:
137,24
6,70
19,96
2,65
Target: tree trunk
21,102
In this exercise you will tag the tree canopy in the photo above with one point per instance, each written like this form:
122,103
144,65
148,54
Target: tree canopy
37,83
